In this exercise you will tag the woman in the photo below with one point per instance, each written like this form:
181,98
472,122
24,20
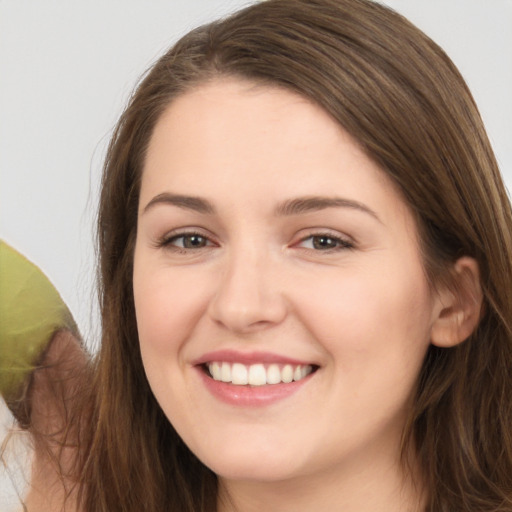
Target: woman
305,256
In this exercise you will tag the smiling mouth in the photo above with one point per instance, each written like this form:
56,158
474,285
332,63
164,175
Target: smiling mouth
258,374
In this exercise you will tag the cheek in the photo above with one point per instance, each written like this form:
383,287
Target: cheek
365,319
168,305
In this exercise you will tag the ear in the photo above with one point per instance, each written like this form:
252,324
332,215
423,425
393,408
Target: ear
458,305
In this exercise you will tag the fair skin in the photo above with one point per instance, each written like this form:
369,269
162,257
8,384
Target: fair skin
237,265
338,286
53,388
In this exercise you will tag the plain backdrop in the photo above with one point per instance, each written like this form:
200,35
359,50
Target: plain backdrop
67,68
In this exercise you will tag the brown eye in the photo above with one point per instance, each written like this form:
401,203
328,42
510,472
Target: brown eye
193,241
324,242
186,241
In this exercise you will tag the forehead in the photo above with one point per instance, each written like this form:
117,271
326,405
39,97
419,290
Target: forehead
243,115
235,139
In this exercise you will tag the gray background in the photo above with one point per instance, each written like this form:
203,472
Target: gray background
67,69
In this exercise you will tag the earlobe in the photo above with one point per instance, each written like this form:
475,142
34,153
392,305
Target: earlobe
459,305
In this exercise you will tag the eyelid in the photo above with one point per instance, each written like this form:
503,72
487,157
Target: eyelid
345,241
166,240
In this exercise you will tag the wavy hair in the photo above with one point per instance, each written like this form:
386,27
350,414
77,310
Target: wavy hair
398,94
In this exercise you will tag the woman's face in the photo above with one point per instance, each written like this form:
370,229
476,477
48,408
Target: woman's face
282,307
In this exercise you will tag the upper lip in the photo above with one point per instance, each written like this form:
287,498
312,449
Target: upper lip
248,358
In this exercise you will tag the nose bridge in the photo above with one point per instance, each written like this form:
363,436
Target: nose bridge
248,294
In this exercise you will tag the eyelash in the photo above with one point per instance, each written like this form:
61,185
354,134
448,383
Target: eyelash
337,243
169,241
340,243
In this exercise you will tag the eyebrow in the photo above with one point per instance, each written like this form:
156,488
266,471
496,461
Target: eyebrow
296,206
193,203
302,205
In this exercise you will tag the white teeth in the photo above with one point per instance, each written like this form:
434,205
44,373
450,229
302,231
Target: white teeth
287,373
239,374
215,371
273,374
257,374
225,375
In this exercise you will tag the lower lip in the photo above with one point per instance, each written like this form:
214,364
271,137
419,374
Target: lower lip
251,396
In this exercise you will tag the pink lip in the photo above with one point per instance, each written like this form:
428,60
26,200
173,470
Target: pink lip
233,356
248,396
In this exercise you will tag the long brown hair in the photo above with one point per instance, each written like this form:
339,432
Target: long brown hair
400,96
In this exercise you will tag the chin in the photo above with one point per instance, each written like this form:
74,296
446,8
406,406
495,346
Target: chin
262,470
253,463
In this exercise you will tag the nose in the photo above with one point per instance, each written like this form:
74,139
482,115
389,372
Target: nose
249,296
